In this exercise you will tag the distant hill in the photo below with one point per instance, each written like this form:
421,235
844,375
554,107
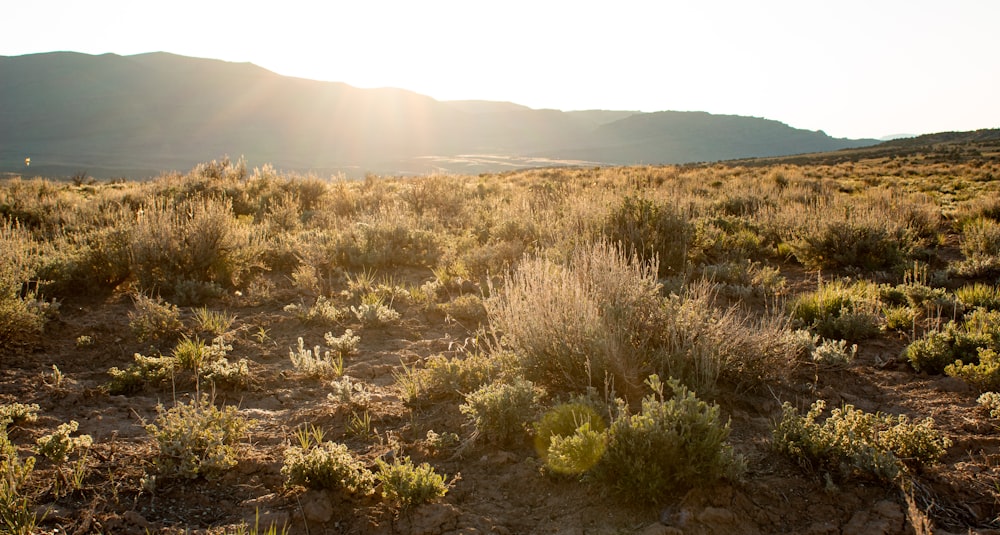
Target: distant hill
981,145
138,115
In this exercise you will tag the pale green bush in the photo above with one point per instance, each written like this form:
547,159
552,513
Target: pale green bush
191,246
326,465
853,441
443,377
18,413
501,411
57,446
146,371
154,318
834,353
197,438
316,362
991,402
840,310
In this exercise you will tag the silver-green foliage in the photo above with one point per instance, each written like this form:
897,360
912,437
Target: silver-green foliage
197,438
502,410
325,465
853,441
57,446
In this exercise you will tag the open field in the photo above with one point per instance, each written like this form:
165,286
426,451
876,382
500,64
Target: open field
578,350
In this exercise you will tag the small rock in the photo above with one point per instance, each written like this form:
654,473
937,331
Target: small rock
136,519
659,529
316,507
823,528
431,519
716,516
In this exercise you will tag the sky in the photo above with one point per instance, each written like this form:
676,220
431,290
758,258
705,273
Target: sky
852,68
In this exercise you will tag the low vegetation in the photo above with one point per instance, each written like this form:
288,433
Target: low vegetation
210,350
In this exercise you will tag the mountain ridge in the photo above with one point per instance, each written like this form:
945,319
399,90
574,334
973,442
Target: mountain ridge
159,111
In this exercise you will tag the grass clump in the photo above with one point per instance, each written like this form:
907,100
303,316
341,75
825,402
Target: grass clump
852,441
979,295
406,484
501,411
197,438
670,445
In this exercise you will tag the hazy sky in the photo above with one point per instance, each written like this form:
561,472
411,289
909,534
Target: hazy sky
854,68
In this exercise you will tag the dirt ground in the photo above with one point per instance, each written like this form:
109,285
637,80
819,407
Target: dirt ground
493,491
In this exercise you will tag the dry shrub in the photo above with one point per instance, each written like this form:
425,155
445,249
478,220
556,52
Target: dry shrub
570,327
197,242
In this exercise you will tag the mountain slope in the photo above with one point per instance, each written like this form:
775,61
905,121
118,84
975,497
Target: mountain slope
114,114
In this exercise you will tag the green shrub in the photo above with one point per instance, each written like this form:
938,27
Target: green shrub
154,318
838,244
18,413
652,231
387,240
443,377
146,371
563,420
991,402
578,452
406,484
197,438
670,446
326,465
981,247
839,310
571,437
936,350
984,375
852,441
501,411
57,446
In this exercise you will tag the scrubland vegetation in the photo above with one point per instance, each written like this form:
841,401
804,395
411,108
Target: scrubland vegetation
231,350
